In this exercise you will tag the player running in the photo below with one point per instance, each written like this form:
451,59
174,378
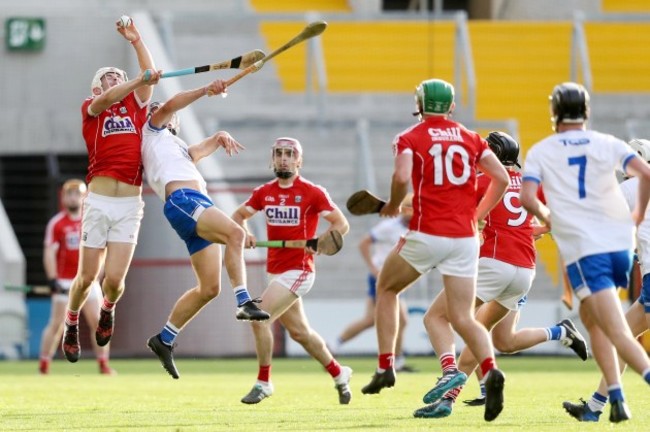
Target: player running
506,272
293,207
638,315
440,157
591,225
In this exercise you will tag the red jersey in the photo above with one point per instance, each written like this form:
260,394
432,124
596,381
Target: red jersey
445,155
508,232
65,232
113,140
291,213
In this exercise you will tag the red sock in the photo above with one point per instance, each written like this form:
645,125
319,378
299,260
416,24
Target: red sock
72,317
487,365
334,368
453,394
264,373
108,306
386,360
448,362
44,365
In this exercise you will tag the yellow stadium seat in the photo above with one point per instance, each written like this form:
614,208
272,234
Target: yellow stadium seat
380,56
625,6
300,5
619,54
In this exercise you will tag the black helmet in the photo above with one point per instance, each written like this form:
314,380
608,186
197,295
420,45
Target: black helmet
504,147
569,103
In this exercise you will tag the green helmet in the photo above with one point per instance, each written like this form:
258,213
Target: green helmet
434,96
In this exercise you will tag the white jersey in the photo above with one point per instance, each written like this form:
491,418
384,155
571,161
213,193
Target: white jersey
385,236
588,212
629,188
165,158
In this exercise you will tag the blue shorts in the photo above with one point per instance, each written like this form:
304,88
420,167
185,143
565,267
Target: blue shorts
182,209
644,298
597,272
372,287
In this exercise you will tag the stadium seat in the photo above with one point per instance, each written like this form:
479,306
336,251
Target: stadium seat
615,69
300,5
369,56
626,6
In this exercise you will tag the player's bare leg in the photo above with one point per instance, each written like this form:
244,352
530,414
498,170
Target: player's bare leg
605,307
208,274
395,276
90,260
52,333
460,293
638,322
355,328
441,336
217,227
296,323
118,260
589,411
276,299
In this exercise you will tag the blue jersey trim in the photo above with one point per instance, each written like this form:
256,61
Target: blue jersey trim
627,160
531,178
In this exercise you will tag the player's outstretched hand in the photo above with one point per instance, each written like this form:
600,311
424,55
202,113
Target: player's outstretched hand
225,140
126,27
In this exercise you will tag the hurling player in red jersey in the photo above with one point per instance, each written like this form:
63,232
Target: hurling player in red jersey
112,122
505,275
440,158
292,206
60,259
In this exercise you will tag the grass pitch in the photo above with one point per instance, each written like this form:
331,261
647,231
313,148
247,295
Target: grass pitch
74,397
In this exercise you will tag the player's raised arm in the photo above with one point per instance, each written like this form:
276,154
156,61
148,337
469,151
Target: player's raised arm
127,28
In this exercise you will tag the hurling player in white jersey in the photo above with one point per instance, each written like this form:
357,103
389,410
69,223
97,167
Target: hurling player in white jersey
169,164
591,225
293,208
638,315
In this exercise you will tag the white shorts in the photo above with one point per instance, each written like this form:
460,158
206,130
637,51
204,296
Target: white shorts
94,293
110,219
503,282
451,256
298,282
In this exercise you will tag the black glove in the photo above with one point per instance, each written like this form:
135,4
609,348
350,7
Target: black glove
55,286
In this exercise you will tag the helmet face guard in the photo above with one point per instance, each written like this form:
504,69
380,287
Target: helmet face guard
295,149
504,147
642,147
96,84
569,104
434,96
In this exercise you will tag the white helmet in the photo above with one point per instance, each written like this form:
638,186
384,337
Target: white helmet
96,85
642,147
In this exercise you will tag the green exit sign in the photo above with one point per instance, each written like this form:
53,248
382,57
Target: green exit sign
25,34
